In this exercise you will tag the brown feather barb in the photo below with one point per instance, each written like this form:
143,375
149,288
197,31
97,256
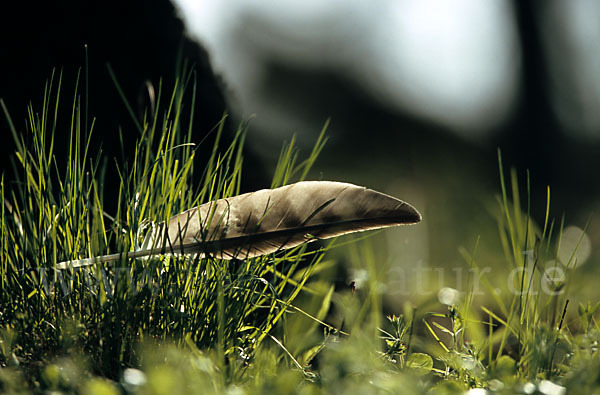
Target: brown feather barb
270,220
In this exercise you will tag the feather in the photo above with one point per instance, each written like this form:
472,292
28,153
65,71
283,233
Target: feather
267,221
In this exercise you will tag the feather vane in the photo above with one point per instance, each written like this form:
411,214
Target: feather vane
266,221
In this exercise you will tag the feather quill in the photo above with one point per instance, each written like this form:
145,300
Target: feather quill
269,220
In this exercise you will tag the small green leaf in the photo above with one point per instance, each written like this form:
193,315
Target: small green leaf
448,387
505,366
309,355
420,363
596,306
325,304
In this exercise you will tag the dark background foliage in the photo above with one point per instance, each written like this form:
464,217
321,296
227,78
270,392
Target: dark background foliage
141,41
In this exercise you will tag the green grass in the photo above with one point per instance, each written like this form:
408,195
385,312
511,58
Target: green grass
263,325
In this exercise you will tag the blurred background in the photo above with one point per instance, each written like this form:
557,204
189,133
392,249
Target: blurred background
420,94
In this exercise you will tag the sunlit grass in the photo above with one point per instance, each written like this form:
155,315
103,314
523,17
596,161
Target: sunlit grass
53,214
272,324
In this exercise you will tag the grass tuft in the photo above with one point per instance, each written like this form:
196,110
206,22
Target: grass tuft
261,325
